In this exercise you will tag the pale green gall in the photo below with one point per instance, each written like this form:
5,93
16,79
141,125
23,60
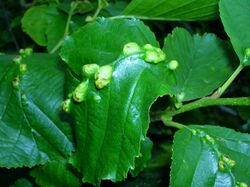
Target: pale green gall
209,138
103,76
23,68
173,65
131,49
16,82
66,105
26,52
180,97
89,70
148,47
154,56
247,52
17,59
80,92
222,166
231,163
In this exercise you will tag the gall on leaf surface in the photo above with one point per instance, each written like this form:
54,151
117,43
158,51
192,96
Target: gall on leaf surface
31,130
204,63
113,120
210,156
102,41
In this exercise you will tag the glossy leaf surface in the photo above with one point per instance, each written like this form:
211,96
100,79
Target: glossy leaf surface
113,121
31,130
197,156
235,15
101,42
204,63
189,10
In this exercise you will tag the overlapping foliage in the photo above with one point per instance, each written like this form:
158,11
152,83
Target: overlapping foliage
55,116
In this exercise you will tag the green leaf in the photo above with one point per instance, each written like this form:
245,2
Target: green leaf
188,10
145,156
22,182
244,112
114,8
235,15
204,63
55,174
106,42
198,155
44,24
112,121
31,129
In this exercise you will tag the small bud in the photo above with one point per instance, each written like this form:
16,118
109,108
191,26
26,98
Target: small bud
89,19
17,59
103,76
80,93
16,82
23,68
131,49
247,52
173,65
89,69
66,105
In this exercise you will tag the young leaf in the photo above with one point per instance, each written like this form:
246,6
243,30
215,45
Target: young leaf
106,42
203,63
189,10
31,131
235,16
210,156
48,29
56,173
